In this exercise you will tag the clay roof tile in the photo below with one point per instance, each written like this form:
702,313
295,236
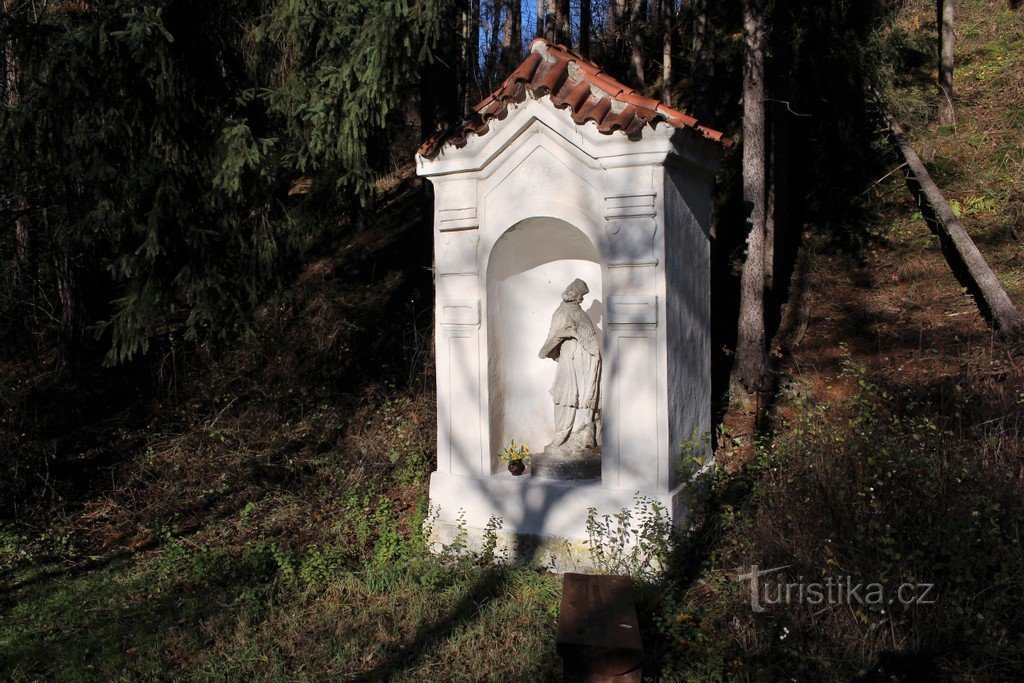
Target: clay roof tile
587,91
595,109
574,97
551,76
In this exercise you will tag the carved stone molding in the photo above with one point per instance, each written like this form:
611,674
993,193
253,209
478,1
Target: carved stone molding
460,312
462,218
629,205
630,226
632,310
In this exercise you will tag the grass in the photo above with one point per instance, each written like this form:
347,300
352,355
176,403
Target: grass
258,612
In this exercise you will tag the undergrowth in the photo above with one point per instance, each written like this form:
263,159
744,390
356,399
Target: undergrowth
891,485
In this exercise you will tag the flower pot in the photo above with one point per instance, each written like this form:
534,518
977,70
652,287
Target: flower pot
516,467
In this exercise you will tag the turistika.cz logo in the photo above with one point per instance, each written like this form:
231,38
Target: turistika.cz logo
839,590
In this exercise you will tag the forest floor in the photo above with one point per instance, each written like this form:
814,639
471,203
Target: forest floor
259,515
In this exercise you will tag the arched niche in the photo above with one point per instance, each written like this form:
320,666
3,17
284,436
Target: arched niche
529,267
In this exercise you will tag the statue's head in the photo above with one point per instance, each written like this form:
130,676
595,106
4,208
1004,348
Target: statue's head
575,291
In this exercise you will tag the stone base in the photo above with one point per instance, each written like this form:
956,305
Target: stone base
543,522
554,464
557,555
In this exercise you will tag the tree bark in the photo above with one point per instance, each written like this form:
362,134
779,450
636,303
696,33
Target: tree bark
473,58
703,68
19,271
493,57
667,29
71,328
512,36
944,12
751,359
550,28
585,23
539,33
769,211
464,17
636,59
563,23
442,89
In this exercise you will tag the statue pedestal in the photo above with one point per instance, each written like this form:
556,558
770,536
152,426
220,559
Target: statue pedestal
555,464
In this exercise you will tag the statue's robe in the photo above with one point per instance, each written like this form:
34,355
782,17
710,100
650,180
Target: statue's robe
573,342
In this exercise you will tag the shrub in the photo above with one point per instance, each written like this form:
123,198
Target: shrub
889,486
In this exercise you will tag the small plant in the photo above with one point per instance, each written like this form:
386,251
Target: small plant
517,455
636,541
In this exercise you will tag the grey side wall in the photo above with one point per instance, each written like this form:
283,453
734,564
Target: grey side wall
688,308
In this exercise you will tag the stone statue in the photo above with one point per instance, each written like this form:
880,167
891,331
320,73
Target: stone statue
574,452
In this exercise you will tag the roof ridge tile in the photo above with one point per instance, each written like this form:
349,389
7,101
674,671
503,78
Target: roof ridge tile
586,90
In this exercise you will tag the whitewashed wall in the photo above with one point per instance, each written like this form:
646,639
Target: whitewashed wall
519,213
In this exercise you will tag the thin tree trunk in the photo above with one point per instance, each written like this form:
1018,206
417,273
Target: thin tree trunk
71,328
751,360
462,71
769,211
22,246
667,16
442,88
703,68
636,21
585,23
512,36
550,27
944,12
493,57
563,23
539,33
22,240
473,61
779,235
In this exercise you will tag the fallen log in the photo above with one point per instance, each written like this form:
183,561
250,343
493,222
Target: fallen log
994,302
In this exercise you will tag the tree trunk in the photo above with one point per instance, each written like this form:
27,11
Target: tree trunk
585,22
71,328
751,360
512,37
473,58
944,12
780,238
493,57
703,68
441,87
563,23
539,33
667,26
636,59
22,247
769,211
21,263
550,28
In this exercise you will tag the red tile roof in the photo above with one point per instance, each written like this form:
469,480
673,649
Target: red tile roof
574,83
